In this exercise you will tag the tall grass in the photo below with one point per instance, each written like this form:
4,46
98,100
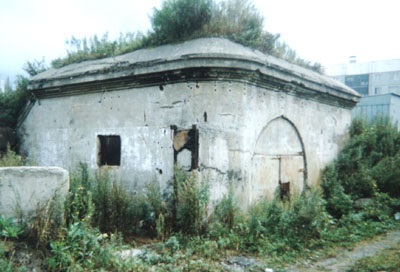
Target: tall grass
191,203
11,158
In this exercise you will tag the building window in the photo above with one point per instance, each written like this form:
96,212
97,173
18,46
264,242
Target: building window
186,148
109,150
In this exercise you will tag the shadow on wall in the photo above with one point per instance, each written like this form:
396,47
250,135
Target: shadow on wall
7,138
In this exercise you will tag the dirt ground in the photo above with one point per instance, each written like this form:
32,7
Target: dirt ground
343,259
346,258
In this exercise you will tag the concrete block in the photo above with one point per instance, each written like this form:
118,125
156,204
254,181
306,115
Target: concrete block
23,189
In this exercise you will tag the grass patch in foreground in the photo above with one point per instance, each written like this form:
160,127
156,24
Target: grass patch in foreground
386,260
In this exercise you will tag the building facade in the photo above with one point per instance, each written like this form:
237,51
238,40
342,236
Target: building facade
230,115
370,78
379,84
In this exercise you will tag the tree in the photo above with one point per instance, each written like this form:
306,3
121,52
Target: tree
35,67
12,101
238,20
179,19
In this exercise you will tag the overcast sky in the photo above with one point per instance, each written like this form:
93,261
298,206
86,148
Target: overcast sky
325,31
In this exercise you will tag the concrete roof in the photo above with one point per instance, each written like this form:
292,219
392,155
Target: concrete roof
200,53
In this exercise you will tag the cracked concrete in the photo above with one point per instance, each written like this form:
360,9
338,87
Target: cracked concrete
242,102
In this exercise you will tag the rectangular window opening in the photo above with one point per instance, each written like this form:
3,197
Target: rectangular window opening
186,147
109,150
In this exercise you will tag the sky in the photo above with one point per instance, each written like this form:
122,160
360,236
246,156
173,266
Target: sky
324,31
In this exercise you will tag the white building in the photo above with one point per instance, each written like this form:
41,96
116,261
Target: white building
368,78
377,81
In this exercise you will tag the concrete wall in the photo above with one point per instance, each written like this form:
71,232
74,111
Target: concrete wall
23,189
233,120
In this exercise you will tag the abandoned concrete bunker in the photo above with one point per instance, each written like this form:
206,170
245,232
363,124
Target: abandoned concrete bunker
227,113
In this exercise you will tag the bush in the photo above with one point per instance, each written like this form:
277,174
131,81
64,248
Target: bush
84,249
12,102
191,203
338,202
107,205
10,158
366,167
292,224
227,211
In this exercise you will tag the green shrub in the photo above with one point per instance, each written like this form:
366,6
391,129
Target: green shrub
107,205
191,203
387,175
293,224
227,211
338,202
10,158
79,204
84,249
10,229
46,223
365,167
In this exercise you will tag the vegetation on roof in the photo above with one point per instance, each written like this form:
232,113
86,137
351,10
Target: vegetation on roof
176,21
182,20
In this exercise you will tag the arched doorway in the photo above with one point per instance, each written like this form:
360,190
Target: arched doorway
279,161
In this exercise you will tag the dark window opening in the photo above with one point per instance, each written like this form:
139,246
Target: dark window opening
109,150
187,140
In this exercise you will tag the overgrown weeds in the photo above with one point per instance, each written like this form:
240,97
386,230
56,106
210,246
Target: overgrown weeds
357,201
11,158
365,169
191,203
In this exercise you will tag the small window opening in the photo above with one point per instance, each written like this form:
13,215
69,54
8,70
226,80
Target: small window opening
109,150
186,147
284,190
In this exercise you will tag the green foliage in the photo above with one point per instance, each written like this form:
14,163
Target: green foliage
159,210
276,226
280,231
46,223
240,21
97,48
107,205
338,202
84,249
12,102
386,260
79,203
10,158
227,211
178,20
9,228
192,203
35,67
9,231
181,20
365,168
386,173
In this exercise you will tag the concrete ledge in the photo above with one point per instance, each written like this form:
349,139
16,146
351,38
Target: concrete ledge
23,189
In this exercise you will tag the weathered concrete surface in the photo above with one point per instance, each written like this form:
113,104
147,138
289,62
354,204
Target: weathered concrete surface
23,189
260,120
